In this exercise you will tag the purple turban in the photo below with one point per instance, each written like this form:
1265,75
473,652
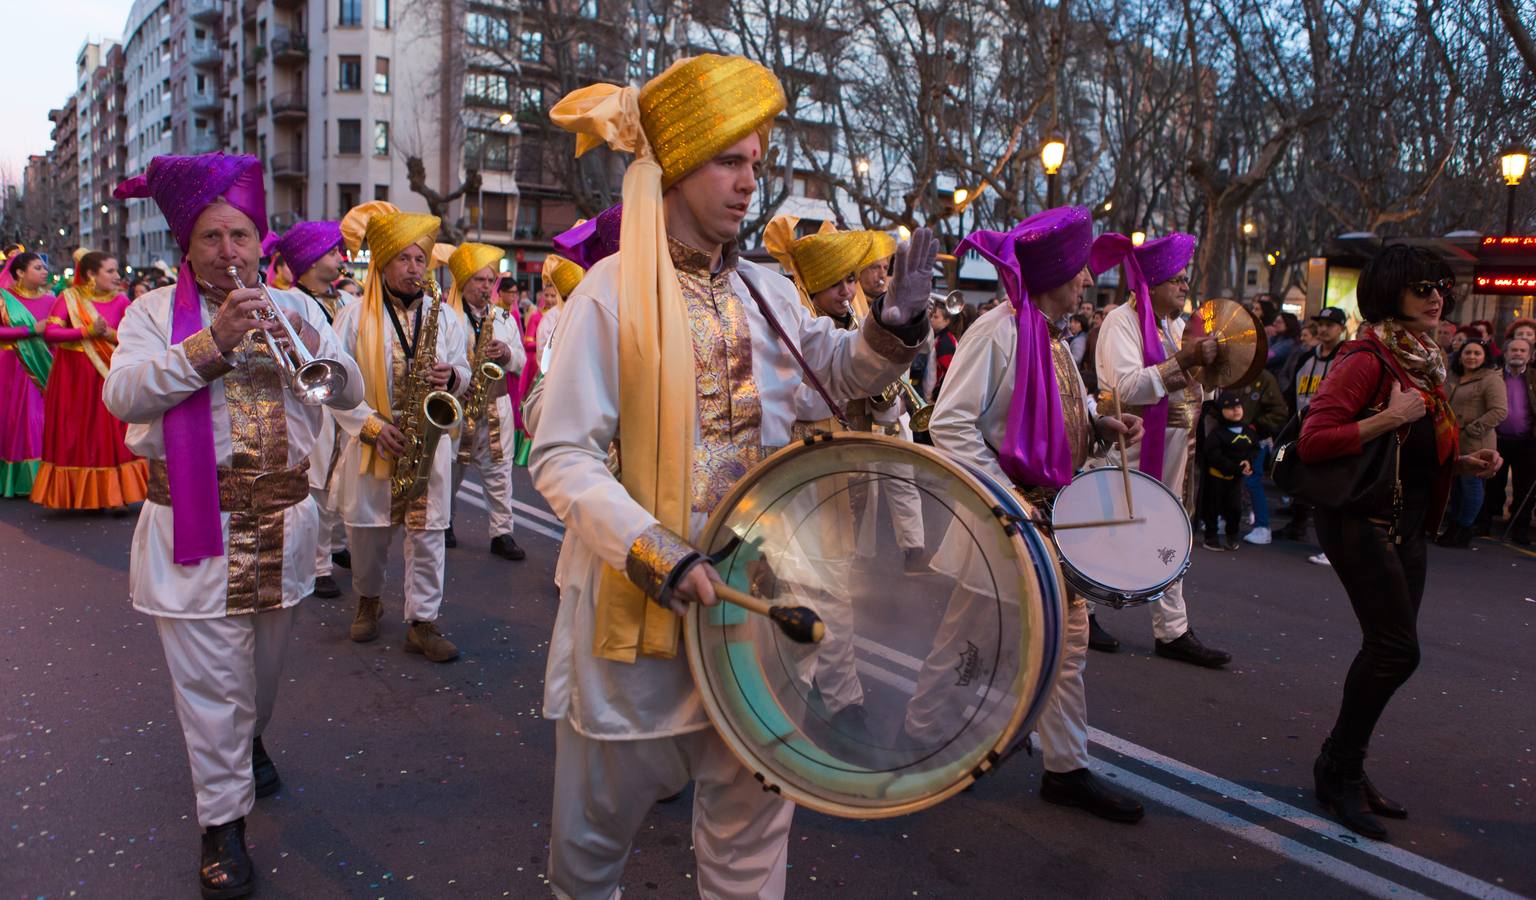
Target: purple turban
304,244
592,240
1146,267
184,186
1041,253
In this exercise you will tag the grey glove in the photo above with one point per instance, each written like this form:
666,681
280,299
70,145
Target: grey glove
911,279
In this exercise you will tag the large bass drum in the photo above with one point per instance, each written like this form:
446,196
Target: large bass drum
933,668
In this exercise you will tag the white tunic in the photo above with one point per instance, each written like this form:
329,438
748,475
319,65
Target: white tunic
651,697
1120,368
149,376
503,328
325,443
364,501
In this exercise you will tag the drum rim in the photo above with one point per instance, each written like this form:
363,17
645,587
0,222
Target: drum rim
1070,571
1029,694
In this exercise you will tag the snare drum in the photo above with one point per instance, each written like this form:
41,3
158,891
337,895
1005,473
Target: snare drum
924,681
1116,562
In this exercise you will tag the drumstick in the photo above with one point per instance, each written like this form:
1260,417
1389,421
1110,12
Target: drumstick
1125,472
1097,523
799,623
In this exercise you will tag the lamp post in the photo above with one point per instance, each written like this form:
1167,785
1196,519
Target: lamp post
1138,238
1242,263
1512,162
1051,155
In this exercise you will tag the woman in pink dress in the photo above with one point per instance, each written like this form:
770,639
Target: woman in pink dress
25,360
85,464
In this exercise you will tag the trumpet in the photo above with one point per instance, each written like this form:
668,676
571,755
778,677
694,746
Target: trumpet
953,302
922,411
312,379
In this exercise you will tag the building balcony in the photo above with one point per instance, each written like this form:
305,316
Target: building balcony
290,107
248,119
205,10
289,48
283,221
248,64
287,166
206,102
202,143
248,13
205,54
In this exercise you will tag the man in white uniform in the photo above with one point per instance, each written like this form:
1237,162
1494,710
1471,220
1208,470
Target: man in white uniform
664,347
385,331
1140,355
223,549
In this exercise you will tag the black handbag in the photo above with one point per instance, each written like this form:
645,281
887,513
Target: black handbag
1366,484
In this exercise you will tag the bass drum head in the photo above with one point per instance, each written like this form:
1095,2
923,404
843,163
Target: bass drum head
1132,559
924,677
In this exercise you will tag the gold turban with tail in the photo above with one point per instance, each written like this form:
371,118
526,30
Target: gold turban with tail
562,274
387,232
819,261
464,262
680,120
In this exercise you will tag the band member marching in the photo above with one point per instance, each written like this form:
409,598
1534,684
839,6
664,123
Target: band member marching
222,552
488,433
1014,405
313,253
672,346
395,470
1139,357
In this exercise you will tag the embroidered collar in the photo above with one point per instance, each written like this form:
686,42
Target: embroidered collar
694,261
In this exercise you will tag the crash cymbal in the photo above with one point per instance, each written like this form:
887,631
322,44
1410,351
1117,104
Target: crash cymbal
1243,347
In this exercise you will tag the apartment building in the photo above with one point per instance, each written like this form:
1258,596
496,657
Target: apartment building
64,163
103,223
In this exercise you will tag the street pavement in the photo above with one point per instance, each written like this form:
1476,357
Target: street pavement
408,779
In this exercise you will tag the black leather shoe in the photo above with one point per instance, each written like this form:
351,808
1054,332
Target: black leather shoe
226,871
1344,796
1187,648
1381,805
503,546
449,539
342,558
1082,789
326,588
264,771
1099,639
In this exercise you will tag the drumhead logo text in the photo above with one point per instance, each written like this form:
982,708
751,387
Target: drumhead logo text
1166,555
969,665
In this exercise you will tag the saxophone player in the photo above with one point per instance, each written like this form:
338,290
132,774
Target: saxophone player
406,346
488,427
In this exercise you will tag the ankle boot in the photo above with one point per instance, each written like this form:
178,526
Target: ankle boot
1342,792
226,871
1380,804
365,627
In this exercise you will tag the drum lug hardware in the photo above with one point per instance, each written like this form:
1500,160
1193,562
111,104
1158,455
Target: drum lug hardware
768,787
987,765
816,437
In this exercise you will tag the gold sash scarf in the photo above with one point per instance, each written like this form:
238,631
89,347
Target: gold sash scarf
82,311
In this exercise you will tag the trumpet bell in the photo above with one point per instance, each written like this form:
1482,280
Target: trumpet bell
921,418
953,302
318,381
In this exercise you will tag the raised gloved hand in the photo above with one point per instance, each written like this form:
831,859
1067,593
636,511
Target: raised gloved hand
911,279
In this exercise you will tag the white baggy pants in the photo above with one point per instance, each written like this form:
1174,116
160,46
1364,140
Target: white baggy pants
332,534
495,477
1063,724
424,567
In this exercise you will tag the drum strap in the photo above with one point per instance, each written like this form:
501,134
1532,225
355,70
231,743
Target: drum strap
773,322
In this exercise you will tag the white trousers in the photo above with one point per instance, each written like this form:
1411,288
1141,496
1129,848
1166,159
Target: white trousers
424,563
1063,724
332,535
605,789
495,477
224,673
1169,618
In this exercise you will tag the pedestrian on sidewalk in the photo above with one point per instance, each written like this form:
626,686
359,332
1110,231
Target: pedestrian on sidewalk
1314,367
1226,458
1477,398
1516,441
1265,409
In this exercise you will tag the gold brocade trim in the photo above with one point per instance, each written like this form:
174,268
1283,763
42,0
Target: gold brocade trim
241,490
653,556
1080,436
372,425
1183,413
1174,377
883,342
258,431
205,356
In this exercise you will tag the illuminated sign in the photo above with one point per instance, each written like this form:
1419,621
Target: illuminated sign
1509,243
1488,280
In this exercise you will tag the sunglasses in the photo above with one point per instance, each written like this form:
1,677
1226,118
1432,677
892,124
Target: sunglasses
1425,288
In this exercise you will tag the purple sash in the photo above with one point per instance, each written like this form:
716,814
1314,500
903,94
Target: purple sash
191,465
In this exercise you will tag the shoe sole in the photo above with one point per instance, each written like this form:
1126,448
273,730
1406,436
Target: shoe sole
231,893
364,639
328,595
1204,664
412,648
1123,818
1328,808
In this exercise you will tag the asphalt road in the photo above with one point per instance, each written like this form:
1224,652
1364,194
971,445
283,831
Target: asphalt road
407,779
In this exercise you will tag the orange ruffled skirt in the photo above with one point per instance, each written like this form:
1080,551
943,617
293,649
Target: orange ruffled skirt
85,464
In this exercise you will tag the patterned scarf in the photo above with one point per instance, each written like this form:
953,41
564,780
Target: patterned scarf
1421,358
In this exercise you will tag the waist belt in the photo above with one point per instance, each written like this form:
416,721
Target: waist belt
243,490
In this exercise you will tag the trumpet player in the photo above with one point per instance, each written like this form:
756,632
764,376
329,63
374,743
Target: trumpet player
224,546
391,332
488,432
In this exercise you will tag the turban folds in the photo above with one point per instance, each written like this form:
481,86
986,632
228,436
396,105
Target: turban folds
562,274
464,262
592,240
305,243
184,186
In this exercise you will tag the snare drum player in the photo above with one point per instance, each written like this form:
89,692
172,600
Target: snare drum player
224,548
1014,405
1139,356
664,347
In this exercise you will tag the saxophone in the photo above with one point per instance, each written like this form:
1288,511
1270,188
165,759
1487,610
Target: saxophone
426,413
483,374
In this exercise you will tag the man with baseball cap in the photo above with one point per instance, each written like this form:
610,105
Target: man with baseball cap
1312,367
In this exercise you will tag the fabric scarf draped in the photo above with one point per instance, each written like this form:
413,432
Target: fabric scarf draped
97,349
1108,250
657,401
190,462
1424,363
33,350
1036,450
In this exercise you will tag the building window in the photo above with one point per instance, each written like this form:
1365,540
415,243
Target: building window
347,196
350,13
488,150
350,74
530,99
486,88
531,46
485,30
349,137
381,192
381,75
586,55
381,13
588,9
380,138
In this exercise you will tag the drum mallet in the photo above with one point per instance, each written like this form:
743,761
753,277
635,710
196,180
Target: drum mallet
799,623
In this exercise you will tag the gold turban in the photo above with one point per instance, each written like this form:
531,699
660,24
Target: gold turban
464,263
819,261
562,274
387,231
681,119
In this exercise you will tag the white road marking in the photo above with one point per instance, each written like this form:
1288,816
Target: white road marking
522,521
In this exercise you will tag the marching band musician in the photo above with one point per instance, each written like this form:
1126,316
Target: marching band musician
488,433
1015,406
674,347
222,552
387,331
313,253
1139,356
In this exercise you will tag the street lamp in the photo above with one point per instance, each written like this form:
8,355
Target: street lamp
61,232
1512,163
1051,156
862,167
505,118
1109,205
103,209
1248,229
961,194
1138,238
903,232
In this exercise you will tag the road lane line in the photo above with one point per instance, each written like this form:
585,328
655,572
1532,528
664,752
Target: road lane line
522,521
550,518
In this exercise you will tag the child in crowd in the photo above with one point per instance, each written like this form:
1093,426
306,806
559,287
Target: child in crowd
1226,457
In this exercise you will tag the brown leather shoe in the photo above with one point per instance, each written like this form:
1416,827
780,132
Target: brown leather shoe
426,639
365,627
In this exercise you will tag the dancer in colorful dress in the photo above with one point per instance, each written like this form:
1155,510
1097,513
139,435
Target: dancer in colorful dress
25,361
85,464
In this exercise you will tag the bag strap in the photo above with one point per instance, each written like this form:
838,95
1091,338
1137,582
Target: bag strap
773,322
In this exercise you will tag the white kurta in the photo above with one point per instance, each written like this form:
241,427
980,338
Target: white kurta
364,502
325,441
496,477
149,376
651,697
547,324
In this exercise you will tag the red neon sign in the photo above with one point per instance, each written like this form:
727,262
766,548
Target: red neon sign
1509,242
1493,281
